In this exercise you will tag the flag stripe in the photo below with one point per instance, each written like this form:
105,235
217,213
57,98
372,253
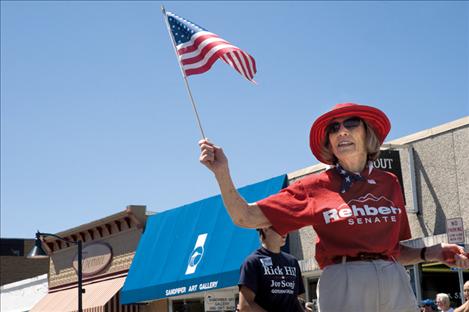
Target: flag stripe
194,44
230,62
248,64
240,55
213,46
239,67
202,59
206,44
202,69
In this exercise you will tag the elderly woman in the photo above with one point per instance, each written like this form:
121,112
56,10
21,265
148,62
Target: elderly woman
356,210
443,303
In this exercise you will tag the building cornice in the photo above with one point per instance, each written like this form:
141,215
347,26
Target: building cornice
133,217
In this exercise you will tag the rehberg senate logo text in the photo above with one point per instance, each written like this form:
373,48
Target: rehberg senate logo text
364,210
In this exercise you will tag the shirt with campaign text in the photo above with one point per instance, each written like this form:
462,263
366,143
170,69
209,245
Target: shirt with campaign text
275,278
369,218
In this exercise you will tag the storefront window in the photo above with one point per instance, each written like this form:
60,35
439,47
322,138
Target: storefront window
188,305
438,278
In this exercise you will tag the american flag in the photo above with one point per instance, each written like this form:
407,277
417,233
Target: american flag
198,49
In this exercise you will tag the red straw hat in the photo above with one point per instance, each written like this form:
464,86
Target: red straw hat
374,118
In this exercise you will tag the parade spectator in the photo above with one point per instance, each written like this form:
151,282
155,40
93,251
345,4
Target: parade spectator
270,279
443,303
427,305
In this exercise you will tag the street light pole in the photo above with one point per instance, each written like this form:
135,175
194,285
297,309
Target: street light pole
38,252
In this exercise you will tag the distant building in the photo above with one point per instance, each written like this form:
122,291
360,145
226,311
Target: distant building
14,266
109,246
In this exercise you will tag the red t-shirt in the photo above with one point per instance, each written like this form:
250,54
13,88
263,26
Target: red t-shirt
369,218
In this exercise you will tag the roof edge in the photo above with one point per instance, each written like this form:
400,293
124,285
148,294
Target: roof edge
452,125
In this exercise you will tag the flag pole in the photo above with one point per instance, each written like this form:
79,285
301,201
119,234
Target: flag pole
183,73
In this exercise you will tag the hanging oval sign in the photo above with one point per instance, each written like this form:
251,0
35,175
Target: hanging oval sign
95,258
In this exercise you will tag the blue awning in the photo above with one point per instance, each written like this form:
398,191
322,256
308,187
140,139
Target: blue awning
193,248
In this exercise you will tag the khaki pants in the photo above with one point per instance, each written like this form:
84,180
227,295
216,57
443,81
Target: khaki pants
366,286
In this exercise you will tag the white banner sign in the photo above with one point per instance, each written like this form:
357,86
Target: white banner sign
220,301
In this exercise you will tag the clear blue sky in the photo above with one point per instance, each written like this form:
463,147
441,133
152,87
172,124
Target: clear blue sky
95,116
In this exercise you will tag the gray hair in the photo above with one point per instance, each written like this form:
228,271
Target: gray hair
443,297
371,142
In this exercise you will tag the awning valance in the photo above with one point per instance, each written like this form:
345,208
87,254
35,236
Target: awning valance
193,248
95,298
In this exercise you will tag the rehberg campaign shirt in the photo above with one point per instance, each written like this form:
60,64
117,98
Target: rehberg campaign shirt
369,218
275,278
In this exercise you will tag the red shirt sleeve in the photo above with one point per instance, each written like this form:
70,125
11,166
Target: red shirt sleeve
289,209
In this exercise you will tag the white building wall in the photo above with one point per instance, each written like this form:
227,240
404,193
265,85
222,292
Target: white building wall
21,296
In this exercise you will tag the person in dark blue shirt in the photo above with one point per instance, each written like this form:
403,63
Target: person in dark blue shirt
270,279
